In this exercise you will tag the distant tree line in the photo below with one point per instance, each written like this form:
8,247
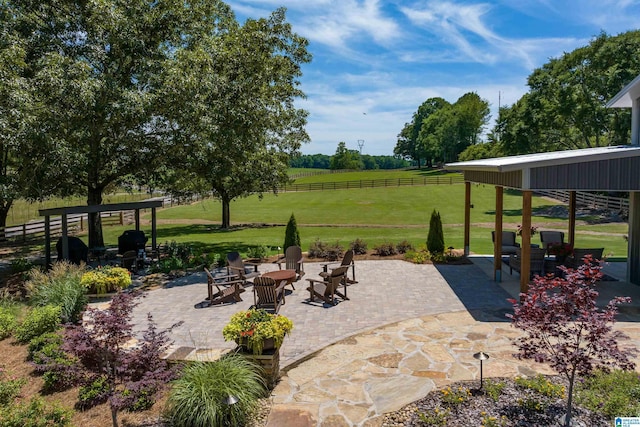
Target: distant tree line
348,159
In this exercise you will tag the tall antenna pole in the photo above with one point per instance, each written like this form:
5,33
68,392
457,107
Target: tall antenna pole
360,145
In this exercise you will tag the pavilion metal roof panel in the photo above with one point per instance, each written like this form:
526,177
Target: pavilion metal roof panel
147,204
554,158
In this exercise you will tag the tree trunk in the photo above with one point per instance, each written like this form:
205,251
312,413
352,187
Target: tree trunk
4,213
96,239
226,216
567,417
114,416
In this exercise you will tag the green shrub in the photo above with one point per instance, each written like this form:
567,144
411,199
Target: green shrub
38,343
542,385
417,257
93,393
197,397
385,249
7,322
35,413
455,396
61,286
359,247
436,418
9,387
404,247
106,279
493,389
38,321
258,252
167,265
291,235
320,249
20,265
614,394
435,239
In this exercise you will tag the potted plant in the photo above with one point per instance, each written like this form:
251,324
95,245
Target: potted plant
257,330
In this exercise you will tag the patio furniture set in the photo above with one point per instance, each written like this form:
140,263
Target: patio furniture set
269,287
547,257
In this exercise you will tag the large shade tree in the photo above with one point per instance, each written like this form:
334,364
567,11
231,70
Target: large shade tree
237,123
95,65
565,106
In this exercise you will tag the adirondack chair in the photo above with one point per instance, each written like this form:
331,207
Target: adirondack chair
228,293
244,270
327,288
293,260
268,293
347,260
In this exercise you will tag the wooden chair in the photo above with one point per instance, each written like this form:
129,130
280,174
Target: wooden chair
229,293
244,270
347,260
577,259
268,294
327,288
536,262
293,261
509,244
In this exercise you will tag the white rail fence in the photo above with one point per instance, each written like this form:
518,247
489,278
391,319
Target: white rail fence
591,200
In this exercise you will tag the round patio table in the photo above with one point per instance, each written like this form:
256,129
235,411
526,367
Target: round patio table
280,275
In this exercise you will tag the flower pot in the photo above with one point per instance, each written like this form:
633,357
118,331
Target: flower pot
267,346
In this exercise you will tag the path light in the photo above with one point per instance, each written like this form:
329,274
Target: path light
481,356
230,400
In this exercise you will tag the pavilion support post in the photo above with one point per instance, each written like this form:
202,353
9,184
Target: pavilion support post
47,239
154,231
467,216
525,262
633,253
497,244
572,217
65,239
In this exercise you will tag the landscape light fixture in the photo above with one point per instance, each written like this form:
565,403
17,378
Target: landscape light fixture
481,355
230,400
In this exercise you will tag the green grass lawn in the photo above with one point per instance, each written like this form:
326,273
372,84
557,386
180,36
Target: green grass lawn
376,215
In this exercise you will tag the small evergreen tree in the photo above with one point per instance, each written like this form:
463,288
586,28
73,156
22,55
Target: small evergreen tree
435,239
291,235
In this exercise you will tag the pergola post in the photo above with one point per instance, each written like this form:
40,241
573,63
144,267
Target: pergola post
154,231
525,262
47,239
497,244
572,217
137,219
467,216
65,239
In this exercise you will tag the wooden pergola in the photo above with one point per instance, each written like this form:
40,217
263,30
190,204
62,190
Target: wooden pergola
590,169
115,207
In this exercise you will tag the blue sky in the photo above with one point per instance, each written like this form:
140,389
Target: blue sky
374,61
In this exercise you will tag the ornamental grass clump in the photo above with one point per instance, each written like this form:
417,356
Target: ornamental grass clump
61,286
197,398
252,327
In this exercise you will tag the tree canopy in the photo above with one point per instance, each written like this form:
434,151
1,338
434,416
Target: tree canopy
440,131
345,158
565,106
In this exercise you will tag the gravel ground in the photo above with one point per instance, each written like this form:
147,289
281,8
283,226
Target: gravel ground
515,406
